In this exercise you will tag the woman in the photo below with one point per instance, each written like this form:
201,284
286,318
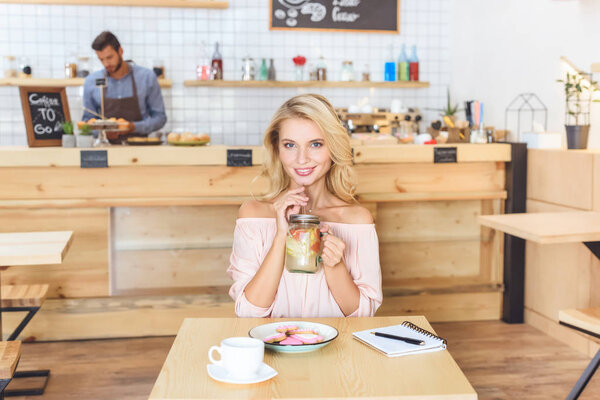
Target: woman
309,164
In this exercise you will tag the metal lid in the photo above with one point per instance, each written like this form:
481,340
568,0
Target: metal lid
304,218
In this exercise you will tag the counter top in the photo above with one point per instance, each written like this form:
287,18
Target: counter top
22,156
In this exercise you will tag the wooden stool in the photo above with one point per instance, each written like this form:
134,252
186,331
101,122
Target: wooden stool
24,298
10,352
588,322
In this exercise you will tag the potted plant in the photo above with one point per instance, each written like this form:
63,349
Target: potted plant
68,139
578,93
85,138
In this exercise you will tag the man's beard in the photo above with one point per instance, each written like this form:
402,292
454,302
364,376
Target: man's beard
119,65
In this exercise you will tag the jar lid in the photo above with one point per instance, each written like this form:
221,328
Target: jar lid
305,218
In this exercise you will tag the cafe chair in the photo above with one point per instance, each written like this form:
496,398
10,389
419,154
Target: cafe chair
10,353
586,321
29,299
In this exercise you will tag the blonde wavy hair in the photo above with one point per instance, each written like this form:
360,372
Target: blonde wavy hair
340,179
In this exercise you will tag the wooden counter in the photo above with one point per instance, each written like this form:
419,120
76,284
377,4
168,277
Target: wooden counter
153,232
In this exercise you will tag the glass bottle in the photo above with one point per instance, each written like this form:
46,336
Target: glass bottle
366,74
321,69
413,65
25,70
390,67
403,65
271,72
83,67
303,244
71,67
10,67
203,69
217,63
263,73
347,73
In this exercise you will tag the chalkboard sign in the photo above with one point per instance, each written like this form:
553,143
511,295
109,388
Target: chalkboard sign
239,157
380,16
444,155
94,159
45,109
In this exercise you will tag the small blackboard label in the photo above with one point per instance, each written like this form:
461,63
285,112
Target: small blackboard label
346,15
444,155
239,157
94,159
101,82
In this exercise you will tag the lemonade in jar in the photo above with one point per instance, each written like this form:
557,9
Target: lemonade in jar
303,244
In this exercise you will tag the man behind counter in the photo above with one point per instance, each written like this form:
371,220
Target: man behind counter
132,92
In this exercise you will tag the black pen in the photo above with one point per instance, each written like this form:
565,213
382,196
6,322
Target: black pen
404,339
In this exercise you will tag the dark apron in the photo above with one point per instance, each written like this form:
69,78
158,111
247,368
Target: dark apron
127,108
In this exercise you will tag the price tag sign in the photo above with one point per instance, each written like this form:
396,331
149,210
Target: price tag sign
101,82
444,155
44,109
94,159
239,157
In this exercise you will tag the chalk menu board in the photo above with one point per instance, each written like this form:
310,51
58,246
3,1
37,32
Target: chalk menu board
381,16
44,109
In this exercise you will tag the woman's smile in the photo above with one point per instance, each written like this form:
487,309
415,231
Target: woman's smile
304,171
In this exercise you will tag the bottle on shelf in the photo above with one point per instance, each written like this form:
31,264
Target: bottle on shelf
403,65
263,73
271,74
217,63
203,69
413,65
390,67
321,69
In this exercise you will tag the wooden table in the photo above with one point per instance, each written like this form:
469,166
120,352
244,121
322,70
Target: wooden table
559,227
345,368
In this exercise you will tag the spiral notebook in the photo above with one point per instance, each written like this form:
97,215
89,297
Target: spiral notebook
396,348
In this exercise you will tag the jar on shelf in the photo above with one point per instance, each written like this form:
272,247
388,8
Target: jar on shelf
347,73
25,69
9,67
321,70
158,66
83,66
303,244
71,68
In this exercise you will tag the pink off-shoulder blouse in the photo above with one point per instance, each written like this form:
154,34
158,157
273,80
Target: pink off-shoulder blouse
304,295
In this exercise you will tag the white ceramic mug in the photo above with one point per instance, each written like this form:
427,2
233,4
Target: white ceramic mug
240,356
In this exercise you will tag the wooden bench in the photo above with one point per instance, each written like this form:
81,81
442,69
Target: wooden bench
10,353
22,298
587,321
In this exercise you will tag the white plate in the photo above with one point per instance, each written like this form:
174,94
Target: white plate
220,374
329,333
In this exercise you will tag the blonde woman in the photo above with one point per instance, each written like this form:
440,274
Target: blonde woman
308,163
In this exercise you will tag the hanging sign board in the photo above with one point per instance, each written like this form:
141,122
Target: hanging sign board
44,109
379,16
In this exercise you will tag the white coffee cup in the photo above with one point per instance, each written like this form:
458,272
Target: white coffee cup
240,356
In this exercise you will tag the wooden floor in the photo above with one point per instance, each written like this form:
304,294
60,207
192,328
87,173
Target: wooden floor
501,361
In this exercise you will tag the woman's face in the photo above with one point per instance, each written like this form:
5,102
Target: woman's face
302,151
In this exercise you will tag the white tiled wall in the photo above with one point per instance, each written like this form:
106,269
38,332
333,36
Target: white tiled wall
48,35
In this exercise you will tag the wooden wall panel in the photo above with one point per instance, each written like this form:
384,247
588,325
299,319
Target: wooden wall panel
560,177
84,271
428,221
155,269
427,177
155,228
124,182
406,260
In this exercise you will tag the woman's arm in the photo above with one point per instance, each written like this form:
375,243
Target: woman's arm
342,287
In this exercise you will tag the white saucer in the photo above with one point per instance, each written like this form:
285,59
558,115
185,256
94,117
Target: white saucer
220,374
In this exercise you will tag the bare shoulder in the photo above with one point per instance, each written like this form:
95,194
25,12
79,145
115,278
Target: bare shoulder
256,209
355,214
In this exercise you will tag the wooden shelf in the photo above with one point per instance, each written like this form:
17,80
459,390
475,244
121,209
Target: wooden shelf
134,3
292,84
57,82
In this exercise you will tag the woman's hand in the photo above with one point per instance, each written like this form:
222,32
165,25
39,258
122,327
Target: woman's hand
333,248
286,205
